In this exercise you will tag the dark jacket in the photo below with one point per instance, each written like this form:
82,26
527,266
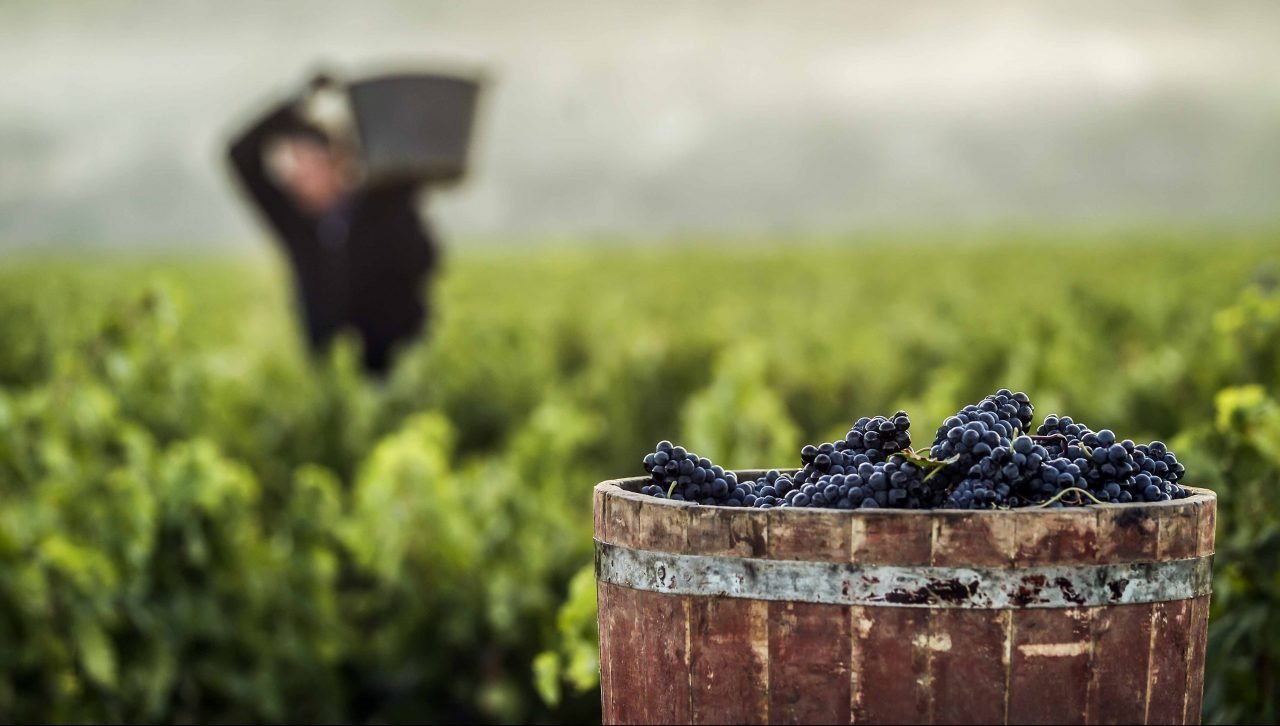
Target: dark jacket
361,266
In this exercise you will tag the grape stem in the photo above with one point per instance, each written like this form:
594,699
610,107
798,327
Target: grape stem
1063,493
671,489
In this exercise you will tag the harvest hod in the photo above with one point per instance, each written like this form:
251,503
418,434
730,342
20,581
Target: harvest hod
734,615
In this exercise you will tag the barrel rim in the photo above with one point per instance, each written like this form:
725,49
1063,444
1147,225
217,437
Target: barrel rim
628,487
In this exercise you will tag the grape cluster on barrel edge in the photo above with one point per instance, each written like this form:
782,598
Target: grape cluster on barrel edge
982,457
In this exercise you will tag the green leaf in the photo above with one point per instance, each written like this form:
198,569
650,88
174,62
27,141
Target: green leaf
546,676
97,654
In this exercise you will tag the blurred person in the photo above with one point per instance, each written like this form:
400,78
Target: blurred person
360,256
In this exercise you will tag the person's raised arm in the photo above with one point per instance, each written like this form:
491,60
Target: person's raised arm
246,154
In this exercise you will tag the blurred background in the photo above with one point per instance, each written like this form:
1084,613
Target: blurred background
612,119
740,226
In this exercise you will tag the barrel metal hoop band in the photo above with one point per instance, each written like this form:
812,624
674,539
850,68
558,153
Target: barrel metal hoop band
1055,586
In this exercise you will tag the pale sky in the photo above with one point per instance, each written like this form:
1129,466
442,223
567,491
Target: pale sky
626,120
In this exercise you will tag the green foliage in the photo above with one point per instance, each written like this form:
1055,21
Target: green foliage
1240,450
737,417
197,524
577,659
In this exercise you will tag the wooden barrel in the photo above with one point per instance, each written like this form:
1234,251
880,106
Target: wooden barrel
730,615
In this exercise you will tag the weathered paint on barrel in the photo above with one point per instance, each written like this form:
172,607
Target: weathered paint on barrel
730,615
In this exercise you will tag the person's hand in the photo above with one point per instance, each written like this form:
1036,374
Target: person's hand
321,80
317,96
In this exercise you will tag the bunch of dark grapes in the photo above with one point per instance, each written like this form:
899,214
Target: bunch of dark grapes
686,477
1060,431
982,456
811,491
771,489
1111,470
879,436
865,484
1109,465
903,486
1003,411
978,429
1013,475
873,437
1161,466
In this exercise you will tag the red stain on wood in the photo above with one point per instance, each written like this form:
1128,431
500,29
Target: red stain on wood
651,676
879,538
1127,534
818,536
729,660
1170,649
973,539
605,610
622,512
808,663
729,532
620,639
891,648
1121,649
1049,670
598,499
664,527
1207,528
968,679
1179,536
1195,661
1060,537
